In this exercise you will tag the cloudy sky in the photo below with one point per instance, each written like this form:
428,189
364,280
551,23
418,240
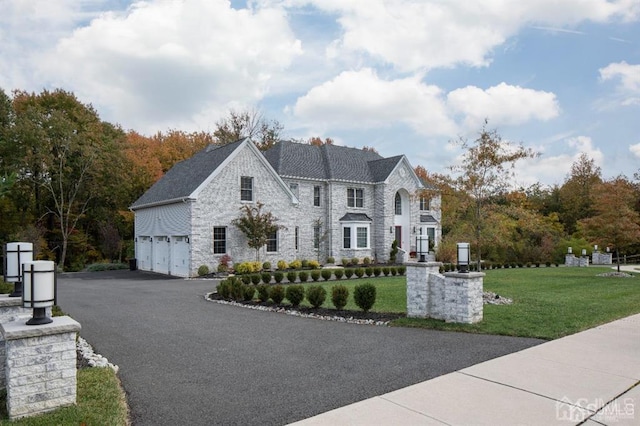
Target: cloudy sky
403,76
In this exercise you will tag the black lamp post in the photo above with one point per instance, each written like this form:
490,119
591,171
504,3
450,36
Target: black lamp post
422,247
464,255
15,254
40,288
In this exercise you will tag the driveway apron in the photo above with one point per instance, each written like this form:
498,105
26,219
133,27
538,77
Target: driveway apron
184,360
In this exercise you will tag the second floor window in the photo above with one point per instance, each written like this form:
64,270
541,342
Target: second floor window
355,197
272,242
424,203
398,204
316,196
246,188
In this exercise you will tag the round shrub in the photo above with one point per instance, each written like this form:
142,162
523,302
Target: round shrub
249,292
278,276
366,261
316,295
303,276
295,294
385,270
339,296
304,263
315,275
338,273
377,271
282,265
313,264
401,270
355,260
359,272
547,264
295,264
365,296
326,274
265,277
255,279
393,270
263,292
276,293
368,271
348,272
203,270
266,266
292,276
224,289
331,259
345,261
246,279
237,290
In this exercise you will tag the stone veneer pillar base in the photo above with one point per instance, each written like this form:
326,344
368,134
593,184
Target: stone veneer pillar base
419,296
463,297
40,365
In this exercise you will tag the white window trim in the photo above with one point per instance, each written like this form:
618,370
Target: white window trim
354,234
355,198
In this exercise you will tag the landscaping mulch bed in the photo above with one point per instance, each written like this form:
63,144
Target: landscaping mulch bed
378,317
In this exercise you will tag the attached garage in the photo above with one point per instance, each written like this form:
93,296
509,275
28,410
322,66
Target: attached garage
161,254
144,249
180,256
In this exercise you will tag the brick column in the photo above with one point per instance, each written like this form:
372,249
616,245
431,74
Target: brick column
40,365
463,297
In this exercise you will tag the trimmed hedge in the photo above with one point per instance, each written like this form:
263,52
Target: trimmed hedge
365,296
295,294
339,296
316,295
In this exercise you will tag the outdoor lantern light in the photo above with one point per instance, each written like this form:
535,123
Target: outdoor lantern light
569,250
39,291
595,248
607,249
15,255
464,254
422,246
584,252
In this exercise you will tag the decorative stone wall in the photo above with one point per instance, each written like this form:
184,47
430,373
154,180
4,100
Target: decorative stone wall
40,366
452,297
599,258
572,260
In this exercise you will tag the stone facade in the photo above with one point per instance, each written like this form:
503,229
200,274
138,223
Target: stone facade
217,203
40,366
572,260
452,297
599,258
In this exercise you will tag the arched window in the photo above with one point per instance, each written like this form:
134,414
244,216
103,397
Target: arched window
398,203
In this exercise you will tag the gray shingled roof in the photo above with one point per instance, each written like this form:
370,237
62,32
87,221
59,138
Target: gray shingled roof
355,217
427,218
331,162
185,177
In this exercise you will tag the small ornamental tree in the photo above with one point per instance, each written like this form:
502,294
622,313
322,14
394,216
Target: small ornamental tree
257,226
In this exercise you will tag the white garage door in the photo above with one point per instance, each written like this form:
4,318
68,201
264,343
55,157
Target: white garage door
180,256
161,254
143,253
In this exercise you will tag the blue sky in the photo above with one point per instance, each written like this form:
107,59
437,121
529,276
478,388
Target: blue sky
403,76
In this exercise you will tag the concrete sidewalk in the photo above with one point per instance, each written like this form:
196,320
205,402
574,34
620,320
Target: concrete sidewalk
590,378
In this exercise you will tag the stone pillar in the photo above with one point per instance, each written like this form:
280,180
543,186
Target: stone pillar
418,288
11,307
463,297
40,365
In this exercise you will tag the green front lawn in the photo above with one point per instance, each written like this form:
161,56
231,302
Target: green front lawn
101,401
548,302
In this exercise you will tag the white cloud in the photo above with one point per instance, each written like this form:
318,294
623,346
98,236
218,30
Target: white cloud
629,80
360,99
444,34
174,63
635,149
503,104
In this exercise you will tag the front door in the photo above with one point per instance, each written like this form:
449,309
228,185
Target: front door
399,236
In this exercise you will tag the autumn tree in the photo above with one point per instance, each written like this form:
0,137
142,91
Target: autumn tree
576,194
257,226
615,223
484,173
248,124
317,141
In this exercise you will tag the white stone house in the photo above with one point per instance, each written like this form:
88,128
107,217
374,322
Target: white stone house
332,200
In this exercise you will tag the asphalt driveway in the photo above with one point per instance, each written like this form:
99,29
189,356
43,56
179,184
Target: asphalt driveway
184,360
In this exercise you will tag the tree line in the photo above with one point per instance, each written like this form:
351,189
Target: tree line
67,179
